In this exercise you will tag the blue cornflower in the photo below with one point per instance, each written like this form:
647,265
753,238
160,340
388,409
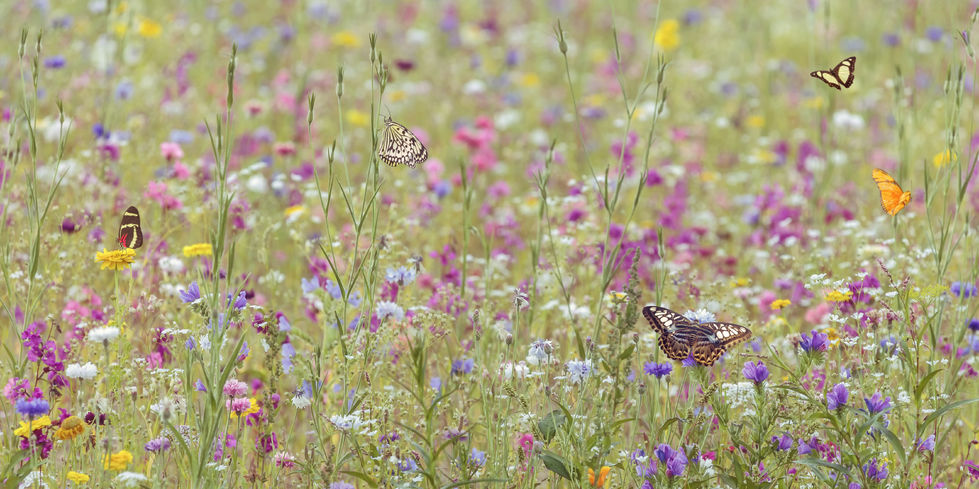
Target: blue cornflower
934,33
333,289
190,344
964,289
310,285
701,316
391,310
462,366
401,275
436,384
407,465
32,408
973,324
54,62
837,397
124,90
192,293
477,458
578,370
658,369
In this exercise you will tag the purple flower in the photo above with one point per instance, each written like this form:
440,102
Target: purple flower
877,405
689,361
645,466
32,408
928,444
462,366
342,485
755,372
964,289
658,369
805,447
783,443
156,445
54,62
477,458
891,39
199,386
192,293
310,285
676,461
934,33
837,396
817,342
973,324
873,471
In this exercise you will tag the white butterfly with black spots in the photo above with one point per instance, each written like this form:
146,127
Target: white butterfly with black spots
399,146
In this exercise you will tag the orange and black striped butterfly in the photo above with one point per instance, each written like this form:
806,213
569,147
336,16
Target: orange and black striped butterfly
842,74
892,197
680,337
130,234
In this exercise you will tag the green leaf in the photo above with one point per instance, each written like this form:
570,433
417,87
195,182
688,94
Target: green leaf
666,424
815,463
627,352
549,425
362,476
898,447
942,410
555,463
924,384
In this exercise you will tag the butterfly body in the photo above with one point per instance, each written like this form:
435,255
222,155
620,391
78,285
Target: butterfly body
399,146
680,337
840,75
892,197
130,233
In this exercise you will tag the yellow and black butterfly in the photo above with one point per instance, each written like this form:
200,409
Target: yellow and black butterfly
399,146
680,337
130,234
842,74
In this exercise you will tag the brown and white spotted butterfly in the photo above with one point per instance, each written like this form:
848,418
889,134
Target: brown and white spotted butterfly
680,337
841,74
399,146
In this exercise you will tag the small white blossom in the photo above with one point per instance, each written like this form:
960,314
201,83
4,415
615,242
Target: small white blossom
101,335
84,372
130,479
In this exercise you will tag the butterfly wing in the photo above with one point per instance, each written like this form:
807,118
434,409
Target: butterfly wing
673,349
828,77
708,341
130,233
400,147
892,197
845,70
663,320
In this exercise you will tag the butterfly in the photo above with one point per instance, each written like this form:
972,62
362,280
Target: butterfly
130,234
892,197
680,337
399,146
842,74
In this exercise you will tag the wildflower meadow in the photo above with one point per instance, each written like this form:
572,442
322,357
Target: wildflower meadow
545,244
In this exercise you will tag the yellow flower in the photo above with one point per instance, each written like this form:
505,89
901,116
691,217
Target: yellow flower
740,282
529,80
756,121
837,296
357,118
251,409
813,103
763,156
396,95
296,209
346,39
26,428
780,303
148,28
77,477
602,476
942,158
120,29
118,461
198,250
71,427
667,36
116,259
709,176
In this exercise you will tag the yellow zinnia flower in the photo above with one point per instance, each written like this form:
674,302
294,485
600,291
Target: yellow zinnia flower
602,476
26,428
198,250
77,477
780,303
118,461
667,36
251,409
116,259
71,427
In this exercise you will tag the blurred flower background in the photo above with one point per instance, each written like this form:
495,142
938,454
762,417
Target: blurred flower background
302,315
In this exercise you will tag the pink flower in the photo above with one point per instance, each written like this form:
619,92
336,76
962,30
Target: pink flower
235,388
816,314
157,191
284,149
433,171
238,404
171,151
180,171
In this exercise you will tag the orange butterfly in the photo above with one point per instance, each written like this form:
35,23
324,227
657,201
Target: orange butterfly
892,197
